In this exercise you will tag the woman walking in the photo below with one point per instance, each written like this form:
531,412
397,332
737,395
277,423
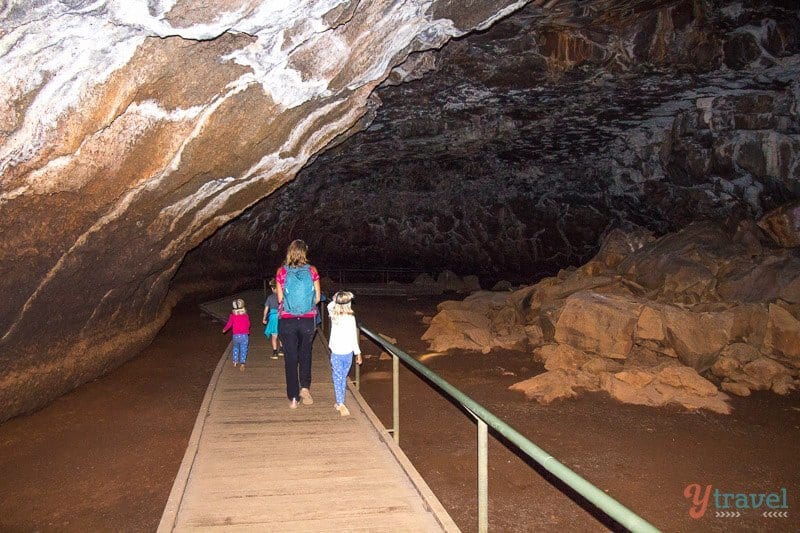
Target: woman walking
298,292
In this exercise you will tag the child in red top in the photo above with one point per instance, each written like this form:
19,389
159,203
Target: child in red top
240,323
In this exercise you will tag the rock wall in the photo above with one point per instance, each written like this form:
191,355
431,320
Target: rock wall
131,130
519,147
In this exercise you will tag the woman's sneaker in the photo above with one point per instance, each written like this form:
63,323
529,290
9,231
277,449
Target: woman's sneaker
305,395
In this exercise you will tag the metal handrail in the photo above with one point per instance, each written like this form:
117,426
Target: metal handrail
611,507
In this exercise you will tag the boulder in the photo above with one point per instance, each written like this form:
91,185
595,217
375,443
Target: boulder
457,328
688,282
686,379
503,286
783,224
650,326
783,384
598,323
515,339
768,279
782,336
697,338
684,386
534,335
765,373
739,389
556,384
637,378
741,352
480,337
561,356
503,319
598,365
627,392
644,357
618,244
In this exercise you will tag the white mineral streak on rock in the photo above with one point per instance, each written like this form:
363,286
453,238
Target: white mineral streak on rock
176,210
500,14
212,199
122,205
405,27
136,14
59,58
136,121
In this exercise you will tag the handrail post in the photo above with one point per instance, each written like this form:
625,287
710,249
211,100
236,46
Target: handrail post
396,398
358,375
483,477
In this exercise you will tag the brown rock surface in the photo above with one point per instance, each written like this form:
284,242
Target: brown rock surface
783,334
783,225
598,323
660,344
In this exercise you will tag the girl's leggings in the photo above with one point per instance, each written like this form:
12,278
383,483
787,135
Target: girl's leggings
340,363
239,350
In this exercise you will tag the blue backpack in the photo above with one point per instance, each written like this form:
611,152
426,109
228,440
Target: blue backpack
298,291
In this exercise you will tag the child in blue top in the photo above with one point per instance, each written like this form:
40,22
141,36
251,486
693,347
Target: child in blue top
271,319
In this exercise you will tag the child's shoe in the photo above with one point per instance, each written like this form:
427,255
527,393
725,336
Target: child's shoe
343,410
241,367
274,354
293,404
305,394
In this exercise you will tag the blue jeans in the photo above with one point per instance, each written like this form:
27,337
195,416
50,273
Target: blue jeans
340,365
239,351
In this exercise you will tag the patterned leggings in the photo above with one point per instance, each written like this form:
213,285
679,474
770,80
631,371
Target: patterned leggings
340,364
239,350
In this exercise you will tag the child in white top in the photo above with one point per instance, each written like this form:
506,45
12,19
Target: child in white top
343,344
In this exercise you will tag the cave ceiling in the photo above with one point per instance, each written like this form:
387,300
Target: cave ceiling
511,151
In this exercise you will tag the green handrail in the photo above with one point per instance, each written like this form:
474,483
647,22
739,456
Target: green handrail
611,507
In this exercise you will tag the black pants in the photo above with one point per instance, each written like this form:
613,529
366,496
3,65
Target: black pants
297,335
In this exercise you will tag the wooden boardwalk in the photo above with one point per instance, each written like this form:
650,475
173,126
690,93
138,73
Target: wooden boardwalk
253,464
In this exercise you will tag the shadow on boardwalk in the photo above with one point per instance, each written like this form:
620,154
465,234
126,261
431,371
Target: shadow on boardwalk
254,464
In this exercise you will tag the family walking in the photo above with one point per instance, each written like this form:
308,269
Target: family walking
291,315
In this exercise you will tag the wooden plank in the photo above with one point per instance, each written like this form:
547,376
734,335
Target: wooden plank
253,464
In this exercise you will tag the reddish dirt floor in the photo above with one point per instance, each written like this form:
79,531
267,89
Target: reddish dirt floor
103,457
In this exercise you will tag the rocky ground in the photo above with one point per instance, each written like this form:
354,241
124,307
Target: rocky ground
684,319
104,456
